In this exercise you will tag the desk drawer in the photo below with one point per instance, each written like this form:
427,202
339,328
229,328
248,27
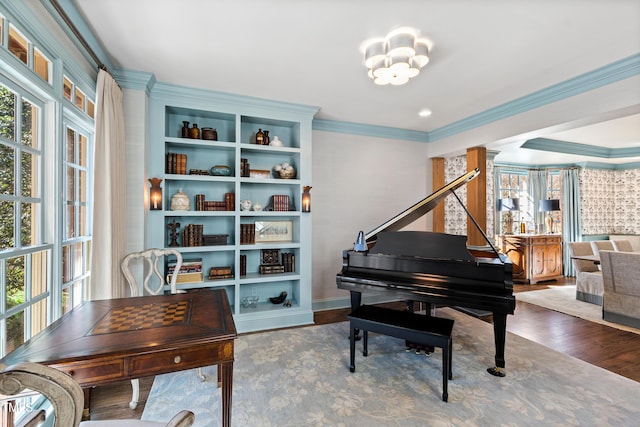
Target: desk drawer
179,359
93,371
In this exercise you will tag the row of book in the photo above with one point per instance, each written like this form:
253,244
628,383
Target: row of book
280,203
247,234
176,163
245,168
228,204
191,269
192,235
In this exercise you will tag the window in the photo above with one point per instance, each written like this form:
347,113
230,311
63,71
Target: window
24,258
76,243
45,177
512,185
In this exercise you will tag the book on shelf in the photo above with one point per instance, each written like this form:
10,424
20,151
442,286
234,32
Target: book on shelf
192,235
190,271
247,234
176,163
280,203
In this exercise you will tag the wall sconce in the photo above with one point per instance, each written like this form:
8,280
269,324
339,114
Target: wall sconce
155,194
548,206
306,198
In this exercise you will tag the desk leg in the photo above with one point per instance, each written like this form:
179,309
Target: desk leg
226,371
86,412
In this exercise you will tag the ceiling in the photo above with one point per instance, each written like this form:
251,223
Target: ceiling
484,54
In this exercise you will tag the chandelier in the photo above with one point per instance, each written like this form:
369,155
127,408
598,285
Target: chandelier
396,58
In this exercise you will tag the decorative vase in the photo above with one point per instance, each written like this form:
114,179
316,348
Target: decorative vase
265,141
185,130
180,201
276,142
260,137
194,132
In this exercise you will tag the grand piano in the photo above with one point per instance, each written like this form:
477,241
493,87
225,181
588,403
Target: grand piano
436,268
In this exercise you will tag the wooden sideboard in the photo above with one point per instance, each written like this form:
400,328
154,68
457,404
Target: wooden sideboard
535,257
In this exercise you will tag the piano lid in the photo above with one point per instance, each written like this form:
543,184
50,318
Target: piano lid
422,207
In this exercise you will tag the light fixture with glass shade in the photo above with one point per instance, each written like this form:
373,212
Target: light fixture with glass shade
397,57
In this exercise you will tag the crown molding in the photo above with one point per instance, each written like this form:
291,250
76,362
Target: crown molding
369,130
608,74
557,146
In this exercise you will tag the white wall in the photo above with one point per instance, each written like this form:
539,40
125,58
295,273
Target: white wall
135,112
359,182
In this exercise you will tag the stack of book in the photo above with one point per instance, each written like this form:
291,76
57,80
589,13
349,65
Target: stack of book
247,234
176,163
220,273
190,271
280,202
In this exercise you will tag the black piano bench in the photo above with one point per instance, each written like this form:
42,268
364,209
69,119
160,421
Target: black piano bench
421,329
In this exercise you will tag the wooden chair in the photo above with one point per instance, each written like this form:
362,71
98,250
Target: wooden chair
153,284
66,397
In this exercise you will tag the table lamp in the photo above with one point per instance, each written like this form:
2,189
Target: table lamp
508,205
549,206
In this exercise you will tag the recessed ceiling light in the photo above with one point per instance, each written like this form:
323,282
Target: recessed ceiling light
424,113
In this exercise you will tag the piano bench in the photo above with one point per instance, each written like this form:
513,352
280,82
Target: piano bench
418,328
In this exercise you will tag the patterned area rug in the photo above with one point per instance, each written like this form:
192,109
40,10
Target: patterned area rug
563,299
300,377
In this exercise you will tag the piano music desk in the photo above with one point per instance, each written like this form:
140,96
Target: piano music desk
418,328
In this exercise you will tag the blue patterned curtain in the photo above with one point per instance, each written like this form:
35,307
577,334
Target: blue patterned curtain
537,191
570,216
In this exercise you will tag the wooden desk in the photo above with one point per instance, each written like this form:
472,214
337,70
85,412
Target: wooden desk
105,341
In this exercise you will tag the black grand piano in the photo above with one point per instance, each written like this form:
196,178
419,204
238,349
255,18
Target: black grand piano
434,268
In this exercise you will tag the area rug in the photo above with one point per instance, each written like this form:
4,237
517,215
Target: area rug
300,377
563,299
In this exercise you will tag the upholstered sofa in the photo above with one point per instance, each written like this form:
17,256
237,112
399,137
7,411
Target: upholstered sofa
621,280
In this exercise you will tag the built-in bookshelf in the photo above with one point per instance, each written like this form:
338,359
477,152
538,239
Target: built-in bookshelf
261,250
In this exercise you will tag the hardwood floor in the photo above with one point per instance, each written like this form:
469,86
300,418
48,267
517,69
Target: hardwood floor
609,348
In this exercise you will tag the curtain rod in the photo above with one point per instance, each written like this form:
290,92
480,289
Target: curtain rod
76,33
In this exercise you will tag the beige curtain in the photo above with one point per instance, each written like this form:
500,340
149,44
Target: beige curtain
108,246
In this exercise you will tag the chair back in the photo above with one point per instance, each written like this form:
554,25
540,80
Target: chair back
622,245
64,394
153,270
581,249
66,397
601,245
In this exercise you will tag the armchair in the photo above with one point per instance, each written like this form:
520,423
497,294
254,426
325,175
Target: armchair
589,286
66,397
621,276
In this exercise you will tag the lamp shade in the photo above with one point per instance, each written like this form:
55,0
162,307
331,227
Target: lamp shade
549,205
509,204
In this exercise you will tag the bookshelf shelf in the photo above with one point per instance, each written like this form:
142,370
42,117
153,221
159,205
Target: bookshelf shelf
237,124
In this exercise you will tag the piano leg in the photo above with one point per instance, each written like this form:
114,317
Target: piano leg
499,336
356,300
